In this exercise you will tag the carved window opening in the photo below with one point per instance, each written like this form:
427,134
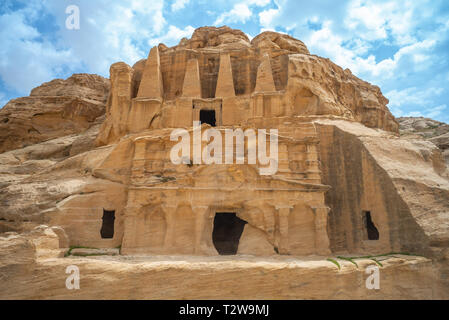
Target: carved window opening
208,116
107,227
371,229
228,229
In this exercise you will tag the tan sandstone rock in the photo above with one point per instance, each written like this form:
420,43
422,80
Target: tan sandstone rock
434,131
55,109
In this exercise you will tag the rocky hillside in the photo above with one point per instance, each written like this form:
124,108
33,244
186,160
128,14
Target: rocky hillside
55,109
432,130
59,120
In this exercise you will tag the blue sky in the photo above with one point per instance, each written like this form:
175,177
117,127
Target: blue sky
401,46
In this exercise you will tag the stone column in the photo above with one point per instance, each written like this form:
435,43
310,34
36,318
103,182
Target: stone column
129,230
119,106
283,213
257,104
138,164
169,211
270,222
140,149
200,221
321,236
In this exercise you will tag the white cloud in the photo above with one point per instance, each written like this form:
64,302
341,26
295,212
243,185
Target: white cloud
372,20
266,17
413,57
435,112
259,3
27,59
173,36
412,96
111,31
239,13
369,17
431,113
179,4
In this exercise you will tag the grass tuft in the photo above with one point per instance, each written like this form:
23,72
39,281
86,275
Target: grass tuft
378,262
69,252
334,262
350,259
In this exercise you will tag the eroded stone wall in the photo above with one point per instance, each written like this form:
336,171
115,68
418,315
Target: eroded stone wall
358,184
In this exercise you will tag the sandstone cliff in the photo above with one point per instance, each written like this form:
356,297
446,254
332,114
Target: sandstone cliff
432,130
59,120
53,110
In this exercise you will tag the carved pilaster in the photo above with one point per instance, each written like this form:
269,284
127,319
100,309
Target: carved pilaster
200,221
283,213
321,236
129,229
169,211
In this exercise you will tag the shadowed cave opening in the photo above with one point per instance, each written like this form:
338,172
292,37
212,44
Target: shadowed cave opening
208,116
373,233
227,231
107,227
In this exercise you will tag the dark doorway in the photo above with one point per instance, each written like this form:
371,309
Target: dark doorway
208,116
373,233
227,231
107,227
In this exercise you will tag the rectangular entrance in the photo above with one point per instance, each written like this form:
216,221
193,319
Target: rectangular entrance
228,229
107,227
208,116
371,230
207,111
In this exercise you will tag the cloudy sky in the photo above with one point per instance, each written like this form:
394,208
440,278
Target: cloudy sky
400,45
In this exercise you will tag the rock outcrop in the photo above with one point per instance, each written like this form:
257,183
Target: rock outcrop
432,130
53,110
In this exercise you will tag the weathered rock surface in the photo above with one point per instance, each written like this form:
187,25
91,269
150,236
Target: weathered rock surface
215,37
432,130
403,278
406,178
53,110
413,172
269,40
39,272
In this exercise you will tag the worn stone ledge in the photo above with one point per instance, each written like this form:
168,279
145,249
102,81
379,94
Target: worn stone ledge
236,277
